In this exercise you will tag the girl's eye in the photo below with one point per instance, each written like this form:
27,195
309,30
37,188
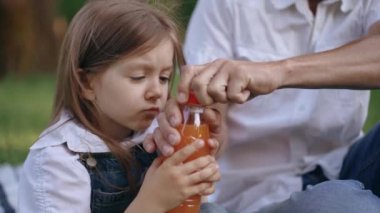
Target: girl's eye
164,79
137,78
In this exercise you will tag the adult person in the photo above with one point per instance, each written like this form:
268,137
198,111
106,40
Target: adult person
281,142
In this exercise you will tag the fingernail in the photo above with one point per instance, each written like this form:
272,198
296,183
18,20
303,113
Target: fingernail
173,139
181,97
167,150
199,143
211,142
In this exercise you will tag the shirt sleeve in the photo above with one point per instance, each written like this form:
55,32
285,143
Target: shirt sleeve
371,14
53,180
209,34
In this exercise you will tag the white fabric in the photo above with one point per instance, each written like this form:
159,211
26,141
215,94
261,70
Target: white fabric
52,179
9,178
275,138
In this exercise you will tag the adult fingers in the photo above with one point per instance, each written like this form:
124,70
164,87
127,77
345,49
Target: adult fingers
200,82
166,136
214,146
237,91
197,78
213,118
173,114
169,132
217,87
149,144
163,145
187,74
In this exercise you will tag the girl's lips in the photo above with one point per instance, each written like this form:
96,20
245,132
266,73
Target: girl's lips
154,109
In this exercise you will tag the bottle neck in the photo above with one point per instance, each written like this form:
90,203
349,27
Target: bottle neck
196,109
193,115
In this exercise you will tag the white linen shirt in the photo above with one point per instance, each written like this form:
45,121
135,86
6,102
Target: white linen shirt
275,138
52,178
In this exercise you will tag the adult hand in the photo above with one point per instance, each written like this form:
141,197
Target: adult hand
228,81
166,135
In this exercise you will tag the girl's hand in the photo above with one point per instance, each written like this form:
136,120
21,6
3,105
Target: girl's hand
168,183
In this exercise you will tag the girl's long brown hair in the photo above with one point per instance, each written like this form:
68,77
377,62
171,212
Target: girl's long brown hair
100,33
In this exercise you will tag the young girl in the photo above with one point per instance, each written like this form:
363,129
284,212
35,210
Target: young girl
113,79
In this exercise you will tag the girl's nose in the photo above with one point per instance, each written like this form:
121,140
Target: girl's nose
154,90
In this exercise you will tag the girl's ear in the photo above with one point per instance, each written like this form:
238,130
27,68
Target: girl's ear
87,81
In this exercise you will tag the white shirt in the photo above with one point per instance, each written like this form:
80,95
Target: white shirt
52,178
275,138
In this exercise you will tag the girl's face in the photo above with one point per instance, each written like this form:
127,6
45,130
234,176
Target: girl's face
130,93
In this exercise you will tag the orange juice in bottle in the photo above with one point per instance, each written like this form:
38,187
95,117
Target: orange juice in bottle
192,129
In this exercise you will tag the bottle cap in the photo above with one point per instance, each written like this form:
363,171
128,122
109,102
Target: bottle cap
192,99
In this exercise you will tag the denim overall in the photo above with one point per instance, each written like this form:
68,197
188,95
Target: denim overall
110,191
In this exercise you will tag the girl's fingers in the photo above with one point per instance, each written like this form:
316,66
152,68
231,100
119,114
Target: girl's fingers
198,188
204,174
197,164
214,177
154,166
181,155
157,162
209,190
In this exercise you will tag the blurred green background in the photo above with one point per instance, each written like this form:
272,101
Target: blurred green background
31,32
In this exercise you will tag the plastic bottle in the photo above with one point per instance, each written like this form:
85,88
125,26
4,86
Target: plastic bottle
193,128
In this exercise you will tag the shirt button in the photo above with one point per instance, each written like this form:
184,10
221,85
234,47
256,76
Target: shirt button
91,162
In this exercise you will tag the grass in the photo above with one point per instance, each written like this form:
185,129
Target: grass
374,112
25,108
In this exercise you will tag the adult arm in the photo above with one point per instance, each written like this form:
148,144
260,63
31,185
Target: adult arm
352,66
355,65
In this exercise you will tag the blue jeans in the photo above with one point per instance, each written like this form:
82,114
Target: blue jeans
212,208
362,163
335,196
